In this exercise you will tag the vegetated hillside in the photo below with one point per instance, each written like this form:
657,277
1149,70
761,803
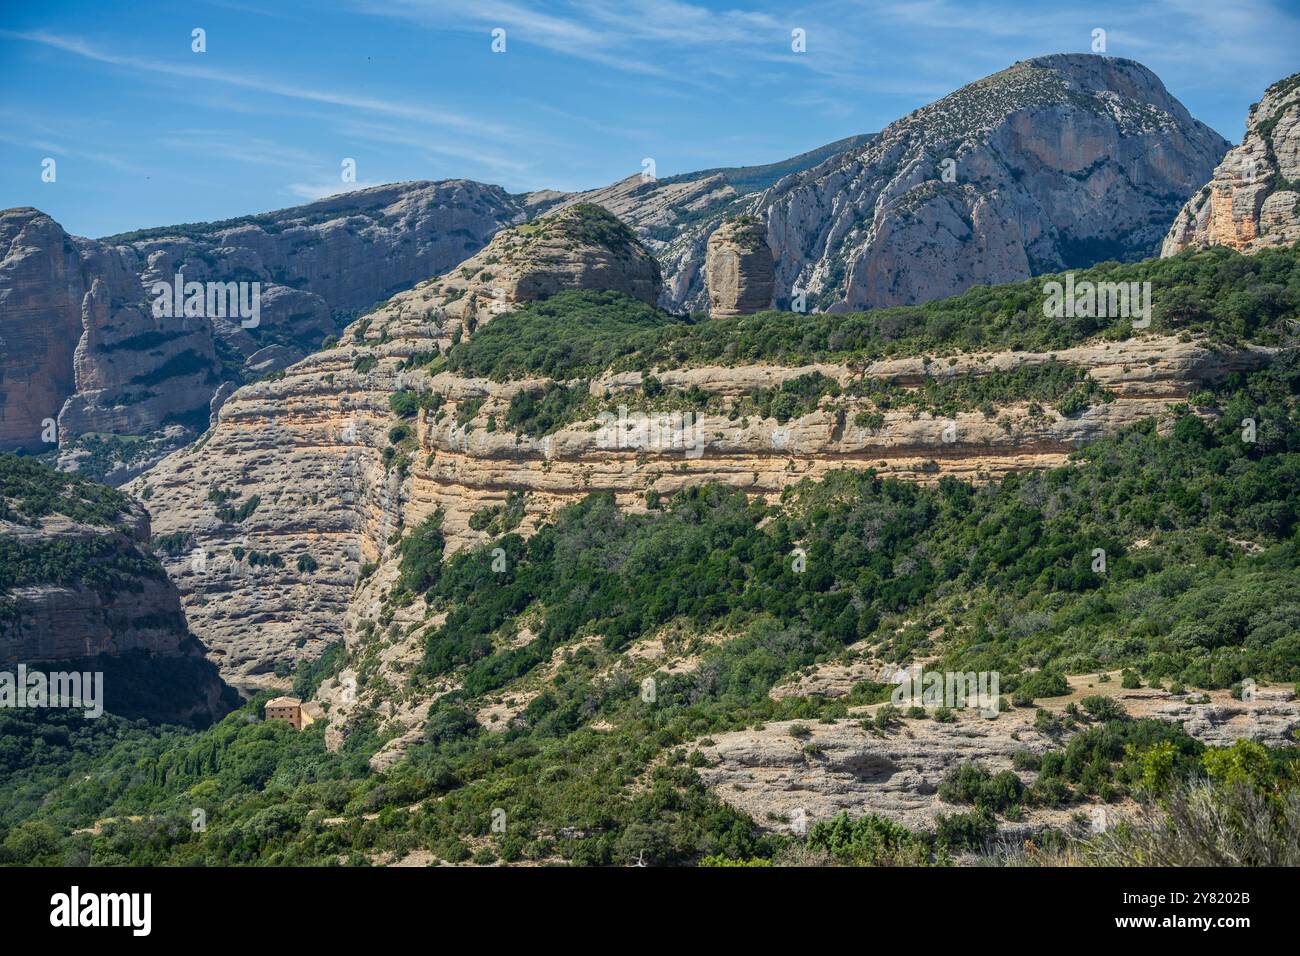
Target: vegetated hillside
408,413
365,440
1216,295
81,590
530,662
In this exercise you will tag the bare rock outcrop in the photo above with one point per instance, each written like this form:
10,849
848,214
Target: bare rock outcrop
41,290
789,776
297,488
1253,201
1057,162
81,343
789,782
738,270
80,588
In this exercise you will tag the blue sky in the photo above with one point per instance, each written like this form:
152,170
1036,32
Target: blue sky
147,132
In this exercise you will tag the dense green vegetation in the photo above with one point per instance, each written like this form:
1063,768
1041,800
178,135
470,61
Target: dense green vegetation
107,564
1069,389
1196,528
30,490
498,519
593,225
538,412
572,333
1215,293
576,335
230,509
252,780
542,410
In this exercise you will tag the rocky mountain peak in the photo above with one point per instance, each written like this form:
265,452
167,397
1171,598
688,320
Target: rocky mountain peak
1253,200
1123,90
1053,163
1056,162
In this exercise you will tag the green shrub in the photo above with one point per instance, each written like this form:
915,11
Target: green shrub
965,831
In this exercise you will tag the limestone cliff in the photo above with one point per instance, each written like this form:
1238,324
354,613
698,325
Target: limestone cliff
298,487
41,290
82,345
80,585
738,268
1253,201
1056,162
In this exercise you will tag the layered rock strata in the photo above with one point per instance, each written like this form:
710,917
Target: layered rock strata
1253,200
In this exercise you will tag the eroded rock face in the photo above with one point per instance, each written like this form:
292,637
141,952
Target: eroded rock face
85,594
82,345
738,268
43,284
310,447
1057,162
1054,163
1253,201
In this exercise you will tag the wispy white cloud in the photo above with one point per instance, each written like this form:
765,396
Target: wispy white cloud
566,35
240,147
483,158
57,149
383,107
